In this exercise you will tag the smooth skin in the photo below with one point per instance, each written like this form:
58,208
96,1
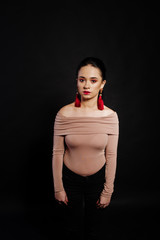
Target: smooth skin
89,79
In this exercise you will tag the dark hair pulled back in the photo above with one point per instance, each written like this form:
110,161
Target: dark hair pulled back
95,62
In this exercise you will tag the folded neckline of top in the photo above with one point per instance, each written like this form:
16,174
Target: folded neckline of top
87,116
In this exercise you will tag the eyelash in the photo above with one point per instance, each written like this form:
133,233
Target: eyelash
91,80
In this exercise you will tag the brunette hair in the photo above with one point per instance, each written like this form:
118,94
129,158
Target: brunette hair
95,62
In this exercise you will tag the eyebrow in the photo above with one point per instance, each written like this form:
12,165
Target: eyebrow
91,77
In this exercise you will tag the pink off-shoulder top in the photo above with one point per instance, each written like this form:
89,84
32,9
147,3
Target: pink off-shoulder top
85,144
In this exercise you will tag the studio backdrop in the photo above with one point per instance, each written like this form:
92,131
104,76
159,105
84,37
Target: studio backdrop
41,47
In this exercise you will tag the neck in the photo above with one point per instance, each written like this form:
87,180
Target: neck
89,104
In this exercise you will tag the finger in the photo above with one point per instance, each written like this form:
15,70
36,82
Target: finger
99,205
105,205
65,202
66,199
62,203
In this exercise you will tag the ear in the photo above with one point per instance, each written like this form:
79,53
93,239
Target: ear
103,83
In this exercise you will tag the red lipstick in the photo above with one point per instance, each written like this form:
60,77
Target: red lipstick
86,92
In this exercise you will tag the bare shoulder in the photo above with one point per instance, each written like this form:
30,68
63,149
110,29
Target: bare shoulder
108,111
67,109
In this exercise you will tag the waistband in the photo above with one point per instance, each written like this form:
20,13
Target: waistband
92,176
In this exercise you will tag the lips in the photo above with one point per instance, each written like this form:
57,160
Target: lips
86,91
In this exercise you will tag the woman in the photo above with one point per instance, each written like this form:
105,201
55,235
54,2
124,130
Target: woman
84,154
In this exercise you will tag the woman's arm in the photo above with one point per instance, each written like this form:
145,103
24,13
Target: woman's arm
57,162
111,163
57,165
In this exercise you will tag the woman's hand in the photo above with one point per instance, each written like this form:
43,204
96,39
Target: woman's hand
61,197
103,202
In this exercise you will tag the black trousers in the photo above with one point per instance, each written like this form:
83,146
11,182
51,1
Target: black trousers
82,219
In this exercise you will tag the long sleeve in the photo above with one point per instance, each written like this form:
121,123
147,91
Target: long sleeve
78,132
57,162
111,164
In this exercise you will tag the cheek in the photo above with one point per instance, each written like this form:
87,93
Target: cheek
96,87
79,84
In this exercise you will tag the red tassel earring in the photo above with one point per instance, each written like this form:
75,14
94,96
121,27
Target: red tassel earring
77,101
100,101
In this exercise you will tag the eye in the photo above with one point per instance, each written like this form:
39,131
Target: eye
94,81
81,79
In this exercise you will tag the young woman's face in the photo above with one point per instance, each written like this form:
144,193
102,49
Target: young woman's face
89,79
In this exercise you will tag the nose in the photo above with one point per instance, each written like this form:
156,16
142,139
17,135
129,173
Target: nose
86,86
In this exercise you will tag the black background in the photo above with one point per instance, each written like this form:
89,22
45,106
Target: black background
41,46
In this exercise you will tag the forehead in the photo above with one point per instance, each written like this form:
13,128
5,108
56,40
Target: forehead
89,71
